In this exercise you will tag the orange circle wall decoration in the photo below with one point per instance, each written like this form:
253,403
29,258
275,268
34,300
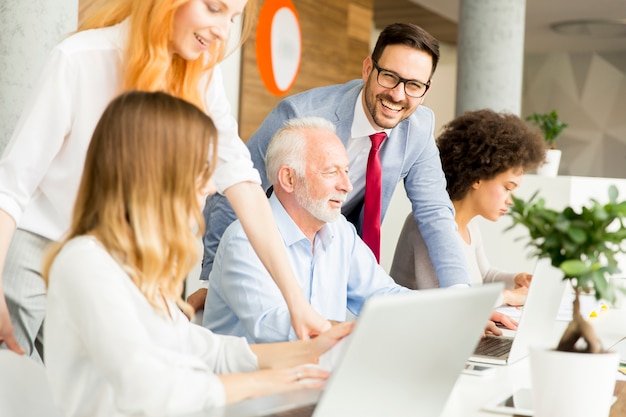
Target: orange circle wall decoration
278,45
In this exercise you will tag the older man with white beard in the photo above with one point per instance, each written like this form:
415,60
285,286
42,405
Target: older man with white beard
307,165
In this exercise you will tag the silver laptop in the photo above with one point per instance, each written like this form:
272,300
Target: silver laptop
536,322
402,359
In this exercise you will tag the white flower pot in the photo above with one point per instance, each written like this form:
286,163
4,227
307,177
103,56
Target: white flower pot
566,384
551,167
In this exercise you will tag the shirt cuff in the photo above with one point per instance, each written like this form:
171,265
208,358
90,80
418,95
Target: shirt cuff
234,172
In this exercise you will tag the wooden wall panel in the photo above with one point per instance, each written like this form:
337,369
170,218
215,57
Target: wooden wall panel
335,40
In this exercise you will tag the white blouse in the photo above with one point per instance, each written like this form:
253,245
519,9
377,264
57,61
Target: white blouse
41,167
110,353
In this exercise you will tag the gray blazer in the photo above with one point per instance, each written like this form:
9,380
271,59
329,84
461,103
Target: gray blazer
409,154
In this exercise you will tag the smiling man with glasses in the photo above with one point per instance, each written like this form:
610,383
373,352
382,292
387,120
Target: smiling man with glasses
389,138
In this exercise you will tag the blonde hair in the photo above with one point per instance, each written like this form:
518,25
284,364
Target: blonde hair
148,156
149,64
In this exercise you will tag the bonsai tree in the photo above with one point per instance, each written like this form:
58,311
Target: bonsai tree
583,244
549,124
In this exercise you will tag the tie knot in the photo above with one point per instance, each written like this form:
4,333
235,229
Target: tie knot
377,138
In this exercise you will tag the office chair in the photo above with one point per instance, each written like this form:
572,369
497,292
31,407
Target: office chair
24,388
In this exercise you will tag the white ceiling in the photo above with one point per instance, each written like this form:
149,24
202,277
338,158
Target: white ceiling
541,13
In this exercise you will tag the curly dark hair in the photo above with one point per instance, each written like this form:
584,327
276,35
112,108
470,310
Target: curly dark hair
481,144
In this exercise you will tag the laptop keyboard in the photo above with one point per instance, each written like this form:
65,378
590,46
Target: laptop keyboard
493,346
304,411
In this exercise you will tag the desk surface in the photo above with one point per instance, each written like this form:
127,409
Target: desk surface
472,393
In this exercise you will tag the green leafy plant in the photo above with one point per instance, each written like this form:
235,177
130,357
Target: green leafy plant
583,244
549,124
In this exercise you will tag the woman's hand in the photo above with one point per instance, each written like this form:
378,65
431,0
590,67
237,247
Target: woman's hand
307,322
329,339
272,381
196,299
497,317
491,329
522,280
505,320
516,297
289,354
7,335
6,328
280,358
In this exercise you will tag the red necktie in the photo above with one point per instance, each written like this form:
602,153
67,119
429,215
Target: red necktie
370,230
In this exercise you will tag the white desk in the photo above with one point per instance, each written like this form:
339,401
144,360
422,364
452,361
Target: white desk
471,393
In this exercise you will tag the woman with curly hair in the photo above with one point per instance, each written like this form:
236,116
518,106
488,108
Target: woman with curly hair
484,155
172,46
117,342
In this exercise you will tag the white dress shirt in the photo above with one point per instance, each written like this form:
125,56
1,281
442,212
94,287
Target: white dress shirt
358,149
42,165
110,353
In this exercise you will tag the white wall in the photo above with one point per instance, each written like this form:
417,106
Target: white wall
29,31
589,92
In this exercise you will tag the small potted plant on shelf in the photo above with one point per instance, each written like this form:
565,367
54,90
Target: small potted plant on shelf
551,127
582,244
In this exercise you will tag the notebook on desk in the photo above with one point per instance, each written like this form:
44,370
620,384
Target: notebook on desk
402,358
535,324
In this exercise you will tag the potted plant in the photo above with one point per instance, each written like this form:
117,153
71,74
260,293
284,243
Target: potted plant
551,127
582,244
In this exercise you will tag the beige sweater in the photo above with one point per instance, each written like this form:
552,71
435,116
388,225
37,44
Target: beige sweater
412,268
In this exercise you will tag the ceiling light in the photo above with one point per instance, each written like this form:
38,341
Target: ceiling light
596,28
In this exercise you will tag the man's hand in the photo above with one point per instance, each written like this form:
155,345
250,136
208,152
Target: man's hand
6,328
196,300
307,322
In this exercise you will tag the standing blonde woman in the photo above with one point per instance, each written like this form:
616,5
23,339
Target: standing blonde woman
117,342
149,45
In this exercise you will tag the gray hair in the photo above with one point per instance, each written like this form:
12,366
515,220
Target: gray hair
288,145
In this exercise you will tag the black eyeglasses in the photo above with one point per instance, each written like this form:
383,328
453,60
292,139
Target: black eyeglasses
389,79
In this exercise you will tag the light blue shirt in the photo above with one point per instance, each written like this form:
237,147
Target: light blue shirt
337,272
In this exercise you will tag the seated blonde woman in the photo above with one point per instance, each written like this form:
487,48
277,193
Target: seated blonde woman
117,341
484,155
